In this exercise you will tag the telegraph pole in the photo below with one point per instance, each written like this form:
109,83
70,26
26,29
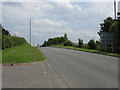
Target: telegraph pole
49,35
30,31
115,8
115,16
33,39
105,43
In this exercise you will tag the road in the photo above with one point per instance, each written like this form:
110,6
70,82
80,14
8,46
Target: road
83,70
39,75
64,69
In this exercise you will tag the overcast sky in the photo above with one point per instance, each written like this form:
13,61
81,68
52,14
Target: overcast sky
77,19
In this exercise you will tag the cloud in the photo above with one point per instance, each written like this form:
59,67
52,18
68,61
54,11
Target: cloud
48,22
75,19
57,0
0,12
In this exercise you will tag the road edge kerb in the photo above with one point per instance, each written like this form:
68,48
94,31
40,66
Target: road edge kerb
22,64
88,52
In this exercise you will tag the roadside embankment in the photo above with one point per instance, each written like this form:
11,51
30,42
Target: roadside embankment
22,54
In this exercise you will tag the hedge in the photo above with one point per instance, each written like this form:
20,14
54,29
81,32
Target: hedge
9,41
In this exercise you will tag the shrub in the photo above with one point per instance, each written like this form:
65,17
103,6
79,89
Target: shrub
75,45
80,42
54,41
85,46
67,43
98,45
92,44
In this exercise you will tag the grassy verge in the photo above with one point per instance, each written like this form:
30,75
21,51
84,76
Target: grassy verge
22,54
87,50
0,56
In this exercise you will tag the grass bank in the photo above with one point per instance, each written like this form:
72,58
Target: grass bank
0,56
86,50
22,54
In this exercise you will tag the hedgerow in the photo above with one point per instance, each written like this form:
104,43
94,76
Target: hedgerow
9,41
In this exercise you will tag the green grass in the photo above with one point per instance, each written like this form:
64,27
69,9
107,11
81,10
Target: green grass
0,56
22,54
86,50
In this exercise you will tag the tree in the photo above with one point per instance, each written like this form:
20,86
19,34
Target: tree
98,45
80,42
118,28
98,42
5,32
45,44
65,36
118,15
115,27
92,44
112,26
38,45
105,26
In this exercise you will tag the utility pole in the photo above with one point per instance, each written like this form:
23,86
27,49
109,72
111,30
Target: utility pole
115,8
112,43
30,31
115,16
33,39
105,43
49,35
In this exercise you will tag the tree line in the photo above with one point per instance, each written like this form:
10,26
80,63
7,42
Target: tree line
63,40
58,40
109,25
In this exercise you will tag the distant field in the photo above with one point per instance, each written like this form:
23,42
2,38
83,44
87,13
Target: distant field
87,50
22,54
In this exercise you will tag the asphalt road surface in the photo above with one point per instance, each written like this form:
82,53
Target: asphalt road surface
83,70
64,69
39,75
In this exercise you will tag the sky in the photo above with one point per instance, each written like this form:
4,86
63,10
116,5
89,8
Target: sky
77,19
